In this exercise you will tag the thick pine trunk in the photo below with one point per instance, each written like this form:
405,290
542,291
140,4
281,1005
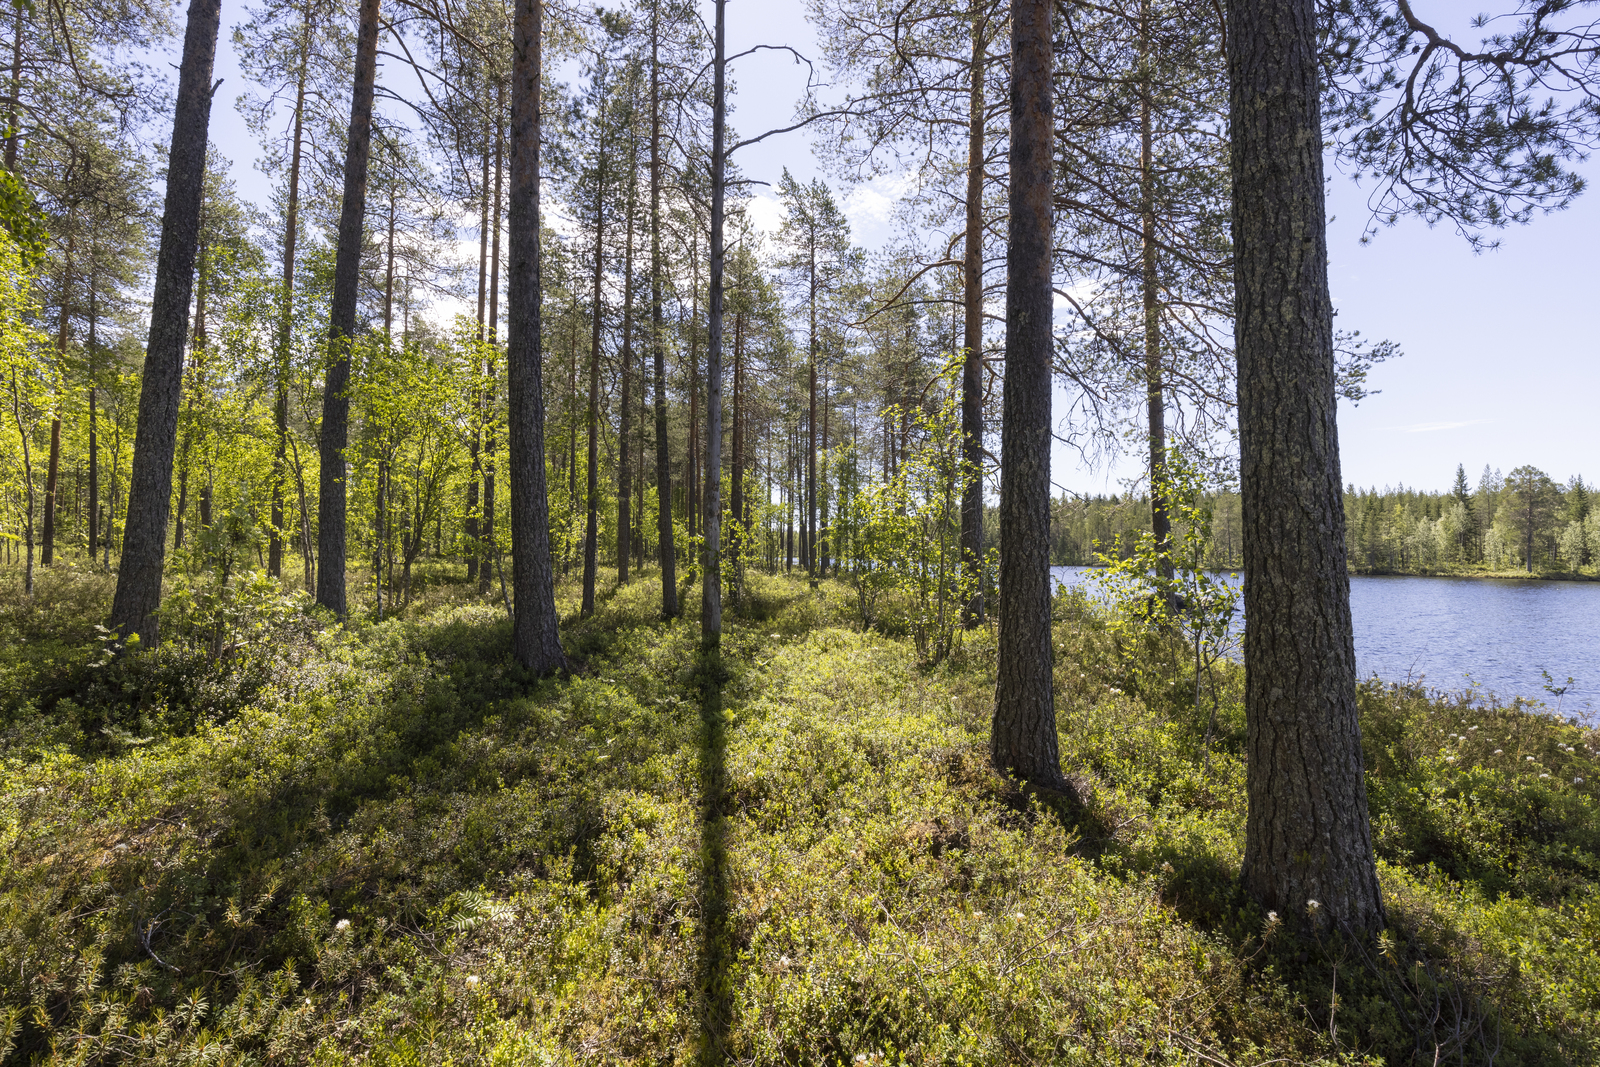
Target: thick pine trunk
144,538
711,588
1024,739
666,550
1307,835
972,335
535,640
342,326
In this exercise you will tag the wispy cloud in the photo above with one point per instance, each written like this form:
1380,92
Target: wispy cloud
1430,427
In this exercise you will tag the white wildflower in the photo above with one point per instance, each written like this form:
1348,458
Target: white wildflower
1272,918
342,925
1499,752
1312,906
1544,776
472,981
1531,760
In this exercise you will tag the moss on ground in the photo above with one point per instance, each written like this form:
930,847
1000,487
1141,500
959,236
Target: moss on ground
383,844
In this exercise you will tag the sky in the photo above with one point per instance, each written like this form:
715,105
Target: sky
1501,363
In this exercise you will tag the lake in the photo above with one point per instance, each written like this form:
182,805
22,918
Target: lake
1453,632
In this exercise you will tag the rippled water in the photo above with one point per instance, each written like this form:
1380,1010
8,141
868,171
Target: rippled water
1454,632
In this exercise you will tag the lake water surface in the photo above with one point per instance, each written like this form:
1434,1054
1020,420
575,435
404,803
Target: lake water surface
1454,632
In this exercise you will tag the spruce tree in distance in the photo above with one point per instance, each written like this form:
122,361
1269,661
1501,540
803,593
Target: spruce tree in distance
133,610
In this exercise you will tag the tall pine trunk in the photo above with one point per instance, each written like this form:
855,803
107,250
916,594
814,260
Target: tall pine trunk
490,372
291,232
1307,835
665,548
711,588
94,423
469,524
624,450
1023,740
1155,387
535,640
144,537
972,338
331,545
591,525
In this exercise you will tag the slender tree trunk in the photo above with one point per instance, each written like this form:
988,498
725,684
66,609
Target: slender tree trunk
1024,734
810,533
342,325
711,596
1307,835
624,458
47,553
491,373
291,232
94,427
480,408
665,548
737,532
591,528
380,532
27,479
972,353
692,452
133,609
535,640
1155,399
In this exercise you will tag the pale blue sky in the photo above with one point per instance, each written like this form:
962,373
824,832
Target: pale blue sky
1502,349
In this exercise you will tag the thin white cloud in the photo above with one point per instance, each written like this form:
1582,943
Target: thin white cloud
1430,427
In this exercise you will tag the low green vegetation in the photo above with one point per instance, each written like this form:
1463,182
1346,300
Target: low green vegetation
291,842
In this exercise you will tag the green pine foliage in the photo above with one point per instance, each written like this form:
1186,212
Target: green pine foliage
382,844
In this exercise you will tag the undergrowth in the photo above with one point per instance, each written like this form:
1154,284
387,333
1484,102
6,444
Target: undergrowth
383,844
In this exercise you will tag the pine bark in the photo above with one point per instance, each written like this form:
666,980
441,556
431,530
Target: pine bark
972,335
144,537
711,588
291,232
664,540
1155,386
1023,741
1307,835
591,525
535,640
624,449
491,373
331,545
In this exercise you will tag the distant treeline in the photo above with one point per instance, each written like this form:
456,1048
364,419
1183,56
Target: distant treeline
1524,520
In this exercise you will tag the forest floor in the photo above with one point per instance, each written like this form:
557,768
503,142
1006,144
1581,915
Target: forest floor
381,843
